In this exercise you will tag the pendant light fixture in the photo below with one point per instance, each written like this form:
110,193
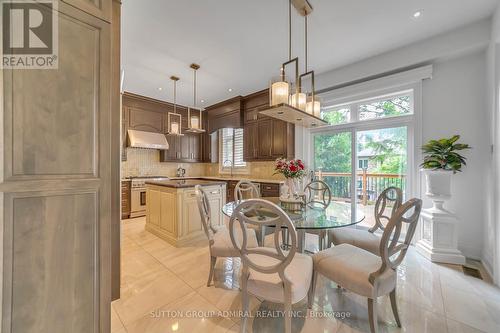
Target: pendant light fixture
195,124
289,101
174,119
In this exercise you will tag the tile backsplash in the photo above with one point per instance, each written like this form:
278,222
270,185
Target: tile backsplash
146,162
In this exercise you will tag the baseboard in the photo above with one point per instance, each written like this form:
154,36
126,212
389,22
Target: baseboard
488,270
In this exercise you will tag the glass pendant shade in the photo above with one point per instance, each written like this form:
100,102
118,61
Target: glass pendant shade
195,122
298,100
174,121
174,128
279,91
313,106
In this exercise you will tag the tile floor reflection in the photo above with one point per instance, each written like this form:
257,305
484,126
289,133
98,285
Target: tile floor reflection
163,289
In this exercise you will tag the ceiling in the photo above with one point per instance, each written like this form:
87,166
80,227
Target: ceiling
240,44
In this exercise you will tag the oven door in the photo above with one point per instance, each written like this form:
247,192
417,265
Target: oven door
138,202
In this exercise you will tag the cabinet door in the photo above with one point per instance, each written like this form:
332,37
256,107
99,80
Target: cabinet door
185,147
265,137
145,120
250,141
195,147
279,141
172,153
191,219
56,184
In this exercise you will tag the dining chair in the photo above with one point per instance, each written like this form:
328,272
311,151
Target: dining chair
366,239
270,273
245,189
365,273
318,195
219,240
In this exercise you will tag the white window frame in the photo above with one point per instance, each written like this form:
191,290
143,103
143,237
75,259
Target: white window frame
241,170
412,121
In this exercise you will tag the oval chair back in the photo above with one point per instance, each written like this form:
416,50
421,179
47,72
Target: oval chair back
204,208
392,253
390,195
318,193
263,213
245,190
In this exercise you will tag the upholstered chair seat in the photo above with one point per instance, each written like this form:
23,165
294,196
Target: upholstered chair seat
357,237
357,265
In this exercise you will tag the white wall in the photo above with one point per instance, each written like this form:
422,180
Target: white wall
491,248
454,102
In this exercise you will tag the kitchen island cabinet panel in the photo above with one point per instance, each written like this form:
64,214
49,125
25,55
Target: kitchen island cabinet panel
172,212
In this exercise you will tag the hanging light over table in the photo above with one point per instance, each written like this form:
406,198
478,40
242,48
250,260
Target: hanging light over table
174,119
195,124
289,101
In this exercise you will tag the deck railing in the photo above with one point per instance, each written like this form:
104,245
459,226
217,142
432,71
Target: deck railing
368,185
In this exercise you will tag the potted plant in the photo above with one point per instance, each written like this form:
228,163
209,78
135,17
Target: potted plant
292,170
441,160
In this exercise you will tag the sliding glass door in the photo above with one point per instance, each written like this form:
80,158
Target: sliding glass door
367,149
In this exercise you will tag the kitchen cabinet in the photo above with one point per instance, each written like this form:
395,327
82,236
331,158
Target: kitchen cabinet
250,141
226,114
185,148
269,190
265,138
125,198
172,213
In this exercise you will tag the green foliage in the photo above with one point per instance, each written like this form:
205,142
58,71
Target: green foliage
390,152
333,152
386,108
441,154
336,117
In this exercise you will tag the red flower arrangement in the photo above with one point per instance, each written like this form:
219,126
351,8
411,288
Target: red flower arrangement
289,169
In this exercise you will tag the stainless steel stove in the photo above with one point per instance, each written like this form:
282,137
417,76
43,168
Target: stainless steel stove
138,194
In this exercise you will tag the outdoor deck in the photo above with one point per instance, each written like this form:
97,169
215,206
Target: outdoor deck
368,188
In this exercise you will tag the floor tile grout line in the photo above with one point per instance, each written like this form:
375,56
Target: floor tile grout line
119,317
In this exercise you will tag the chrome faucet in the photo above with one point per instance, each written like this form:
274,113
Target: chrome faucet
181,172
230,165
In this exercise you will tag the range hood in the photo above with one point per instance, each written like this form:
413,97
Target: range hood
142,139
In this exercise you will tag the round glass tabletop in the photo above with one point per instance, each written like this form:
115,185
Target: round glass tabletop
337,214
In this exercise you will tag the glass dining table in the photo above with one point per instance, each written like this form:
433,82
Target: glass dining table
338,214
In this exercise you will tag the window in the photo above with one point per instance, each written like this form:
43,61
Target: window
231,147
365,150
362,163
335,115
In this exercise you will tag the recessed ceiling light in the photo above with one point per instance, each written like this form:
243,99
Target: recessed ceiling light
230,90
417,14
160,88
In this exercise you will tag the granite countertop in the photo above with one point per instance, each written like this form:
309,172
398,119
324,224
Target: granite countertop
235,178
184,183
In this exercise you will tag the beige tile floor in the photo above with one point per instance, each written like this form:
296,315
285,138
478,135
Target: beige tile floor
164,290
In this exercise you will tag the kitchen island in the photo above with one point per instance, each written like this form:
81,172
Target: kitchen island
172,212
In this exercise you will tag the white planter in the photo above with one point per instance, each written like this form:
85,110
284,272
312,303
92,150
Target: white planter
438,184
439,226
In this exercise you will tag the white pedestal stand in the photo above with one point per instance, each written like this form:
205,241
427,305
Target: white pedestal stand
439,235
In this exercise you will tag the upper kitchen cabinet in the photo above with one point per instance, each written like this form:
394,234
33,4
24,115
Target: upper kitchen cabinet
98,8
265,138
227,114
144,114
